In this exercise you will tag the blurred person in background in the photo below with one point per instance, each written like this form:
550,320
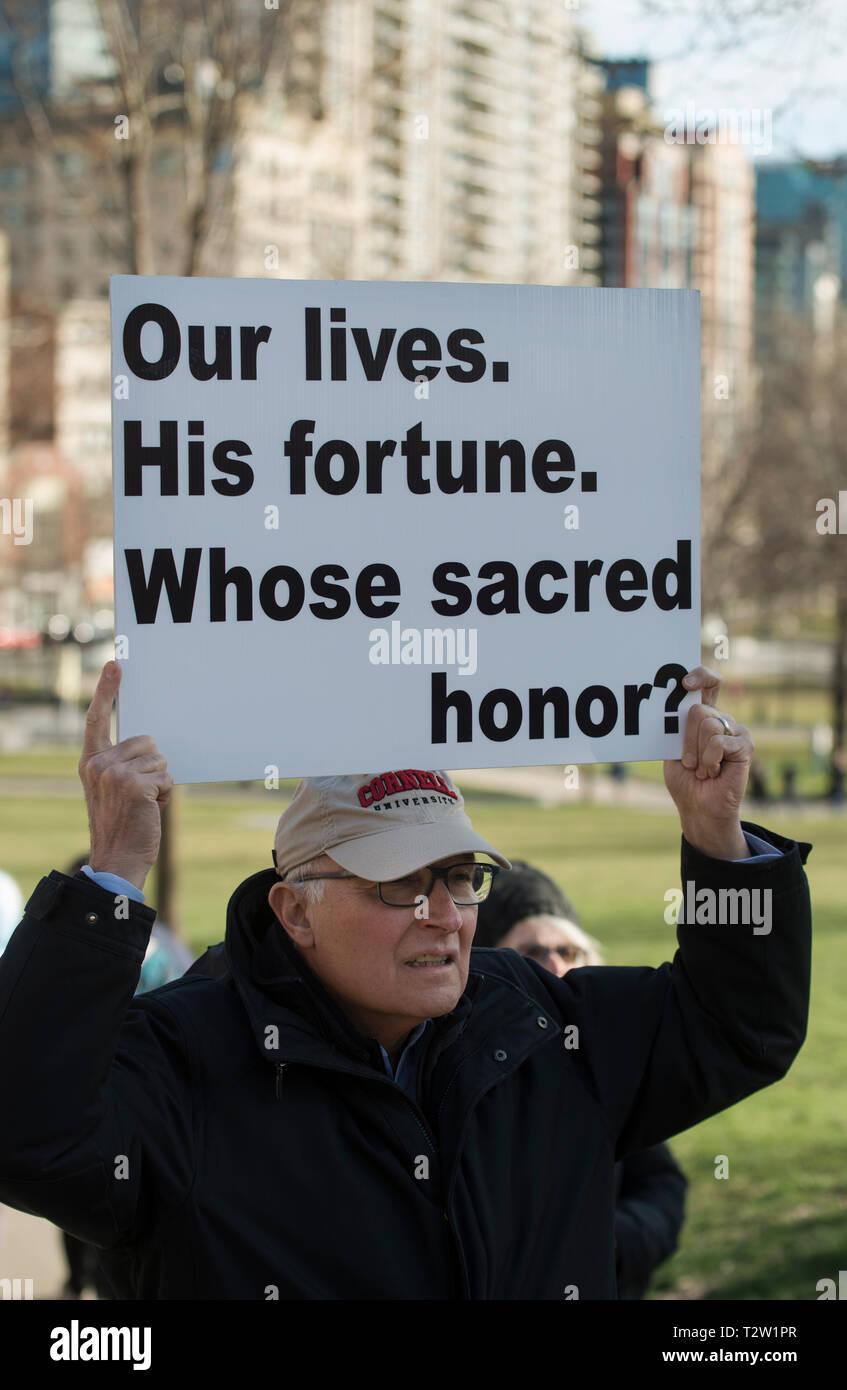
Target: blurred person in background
11,907
527,912
165,959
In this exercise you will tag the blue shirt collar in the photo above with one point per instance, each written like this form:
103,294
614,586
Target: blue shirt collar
407,1066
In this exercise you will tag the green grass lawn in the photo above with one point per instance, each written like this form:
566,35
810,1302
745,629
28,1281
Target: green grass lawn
46,764
774,753
778,1224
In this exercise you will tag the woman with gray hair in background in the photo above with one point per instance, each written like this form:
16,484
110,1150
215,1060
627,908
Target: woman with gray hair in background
527,912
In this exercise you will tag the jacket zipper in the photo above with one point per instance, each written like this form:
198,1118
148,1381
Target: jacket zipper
453,1244
279,1067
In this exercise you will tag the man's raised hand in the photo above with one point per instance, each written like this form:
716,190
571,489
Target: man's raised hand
709,781
126,785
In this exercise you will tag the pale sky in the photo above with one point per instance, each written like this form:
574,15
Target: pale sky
793,66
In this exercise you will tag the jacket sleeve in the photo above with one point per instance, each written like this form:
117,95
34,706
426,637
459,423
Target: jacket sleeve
664,1049
95,1085
649,1213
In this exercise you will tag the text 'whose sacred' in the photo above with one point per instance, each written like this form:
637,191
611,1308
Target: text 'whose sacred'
377,591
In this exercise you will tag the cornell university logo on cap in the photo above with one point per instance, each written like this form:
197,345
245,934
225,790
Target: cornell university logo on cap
378,826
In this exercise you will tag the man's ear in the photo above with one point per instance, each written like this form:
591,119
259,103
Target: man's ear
291,911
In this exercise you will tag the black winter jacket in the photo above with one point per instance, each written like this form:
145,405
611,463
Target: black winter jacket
230,1135
649,1212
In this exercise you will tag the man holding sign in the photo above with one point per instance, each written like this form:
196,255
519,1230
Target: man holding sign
345,1101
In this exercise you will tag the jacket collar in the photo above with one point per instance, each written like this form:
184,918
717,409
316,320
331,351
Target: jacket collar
279,991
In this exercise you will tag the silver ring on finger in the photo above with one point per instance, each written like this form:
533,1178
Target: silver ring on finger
725,722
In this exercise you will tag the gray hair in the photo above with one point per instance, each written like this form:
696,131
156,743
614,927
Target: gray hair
588,944
312,892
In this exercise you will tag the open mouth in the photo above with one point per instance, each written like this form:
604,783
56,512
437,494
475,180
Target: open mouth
429,962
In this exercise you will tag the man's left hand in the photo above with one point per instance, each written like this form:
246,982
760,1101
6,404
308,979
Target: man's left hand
708,783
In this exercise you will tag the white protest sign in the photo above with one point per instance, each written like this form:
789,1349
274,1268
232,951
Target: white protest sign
361,526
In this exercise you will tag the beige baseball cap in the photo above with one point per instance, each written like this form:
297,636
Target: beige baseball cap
377,827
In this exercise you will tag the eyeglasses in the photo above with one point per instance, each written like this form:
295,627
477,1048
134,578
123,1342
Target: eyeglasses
572,955
467,884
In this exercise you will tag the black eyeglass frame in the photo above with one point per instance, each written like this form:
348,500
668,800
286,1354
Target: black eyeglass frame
491,870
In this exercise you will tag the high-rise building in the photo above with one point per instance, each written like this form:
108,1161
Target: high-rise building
801,236
678,213
723,271
5,356
455,141
24,51
392,139
50,50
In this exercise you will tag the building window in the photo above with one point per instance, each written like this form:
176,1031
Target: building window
164,161
70,164
11,176
331,244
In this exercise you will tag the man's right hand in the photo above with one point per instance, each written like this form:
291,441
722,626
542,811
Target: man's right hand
126,785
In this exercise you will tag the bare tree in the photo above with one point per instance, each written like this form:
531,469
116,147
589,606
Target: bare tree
800,43
187,68
780,543
32,337
182,71
191,63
